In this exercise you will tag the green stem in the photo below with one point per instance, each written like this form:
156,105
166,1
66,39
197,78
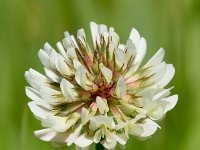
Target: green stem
99,146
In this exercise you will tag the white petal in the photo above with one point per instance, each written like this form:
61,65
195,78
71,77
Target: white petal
52,75
56,123
63,52
53,58
84,115
63,67
45,134
149,127
145,96
72,120
51,96
71,53
97,121
102,105
67,41
120,88
114,38
157,73
135,129
110,136
131,49
33,94
109,145
168,75
156,110
47,48
135,37
97,136
35,79
121,46
36,75
81,33
103,30
74,42
120,58
111,29
95,33
66,34
77,64
111,49
82,80
51,135
44,58
81,36
68,90
137,118
39,112
172,100
121,138
156,59
159,106
161,94
107,73
114,41
60,124
141,51
83,141
73,136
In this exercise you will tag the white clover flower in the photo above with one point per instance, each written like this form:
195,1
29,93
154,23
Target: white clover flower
99,94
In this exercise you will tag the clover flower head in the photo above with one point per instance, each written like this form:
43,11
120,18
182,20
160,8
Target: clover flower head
99,94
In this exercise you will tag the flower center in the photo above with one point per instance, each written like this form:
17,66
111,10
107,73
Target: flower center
104,91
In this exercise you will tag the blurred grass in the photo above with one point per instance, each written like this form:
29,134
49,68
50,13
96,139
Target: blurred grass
173,24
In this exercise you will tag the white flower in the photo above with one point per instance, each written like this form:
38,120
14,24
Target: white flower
99,94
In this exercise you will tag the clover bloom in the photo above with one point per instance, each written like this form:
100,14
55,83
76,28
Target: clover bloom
100,93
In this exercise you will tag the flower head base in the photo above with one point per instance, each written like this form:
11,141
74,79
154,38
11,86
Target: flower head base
100,94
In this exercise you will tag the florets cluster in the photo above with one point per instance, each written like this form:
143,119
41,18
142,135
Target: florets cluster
100,93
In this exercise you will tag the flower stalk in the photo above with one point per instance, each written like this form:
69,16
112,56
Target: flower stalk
99,146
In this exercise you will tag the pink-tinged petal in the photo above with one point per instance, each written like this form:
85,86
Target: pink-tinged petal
132,82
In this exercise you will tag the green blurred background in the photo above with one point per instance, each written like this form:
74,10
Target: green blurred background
26,25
